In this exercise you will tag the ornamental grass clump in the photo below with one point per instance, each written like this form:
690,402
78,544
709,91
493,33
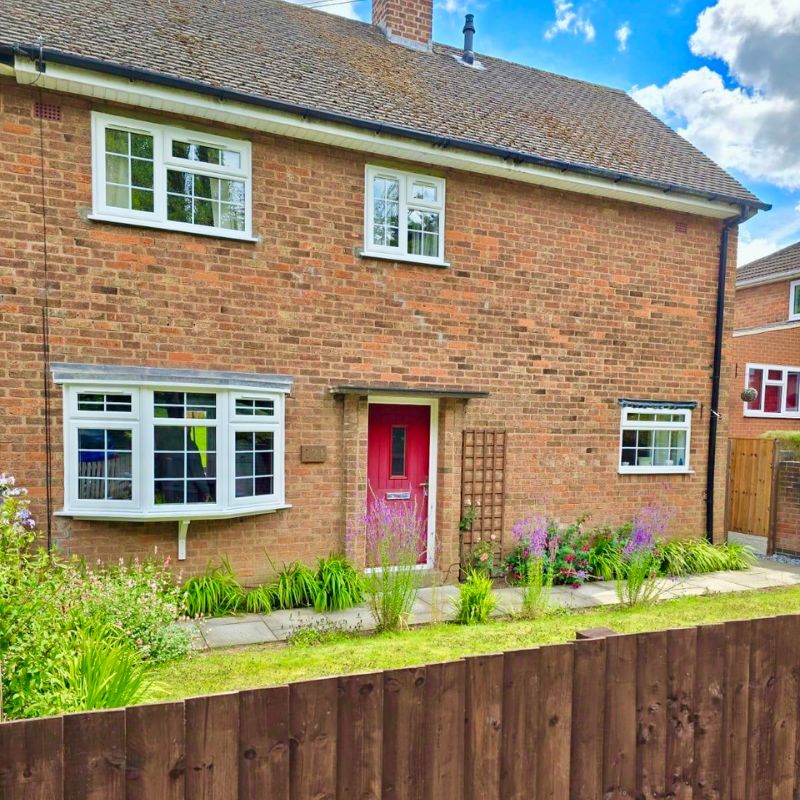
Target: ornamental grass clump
537,543
476,600
638,583
392,534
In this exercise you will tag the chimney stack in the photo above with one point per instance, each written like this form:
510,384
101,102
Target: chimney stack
405,22
469,35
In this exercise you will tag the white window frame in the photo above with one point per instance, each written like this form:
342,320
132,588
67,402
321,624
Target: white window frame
163,136
405,180
651,469
142,422
794,289
783,413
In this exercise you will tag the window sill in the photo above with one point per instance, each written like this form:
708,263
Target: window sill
168,516
772,415
421,262
172,227
655,471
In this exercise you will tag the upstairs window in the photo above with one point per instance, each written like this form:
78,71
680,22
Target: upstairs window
655,440
777,389
160,176
794,300
404,216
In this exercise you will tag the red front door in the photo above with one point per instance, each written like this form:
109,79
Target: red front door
398,459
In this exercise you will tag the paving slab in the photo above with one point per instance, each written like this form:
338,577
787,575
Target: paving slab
599,594
236,634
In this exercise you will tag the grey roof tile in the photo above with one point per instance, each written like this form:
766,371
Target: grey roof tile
781,263
275,50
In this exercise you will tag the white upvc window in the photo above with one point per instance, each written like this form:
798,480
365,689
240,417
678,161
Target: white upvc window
794,300
167,177
172,451
777,388
655,440
404,216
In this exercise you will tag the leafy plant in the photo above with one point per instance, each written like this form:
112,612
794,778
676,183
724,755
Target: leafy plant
467,519
540,543
338,584
476,600
638,583
392,535
481,558
605,554
695,556
296,586
216,592
103,671
261,599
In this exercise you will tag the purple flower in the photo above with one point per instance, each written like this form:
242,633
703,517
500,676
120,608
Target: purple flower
649,524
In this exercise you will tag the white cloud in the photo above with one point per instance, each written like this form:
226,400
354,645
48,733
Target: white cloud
570,20
622,34
753,126
766,233
750,249
341,9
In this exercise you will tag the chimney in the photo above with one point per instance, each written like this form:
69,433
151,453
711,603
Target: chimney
469,36
405,22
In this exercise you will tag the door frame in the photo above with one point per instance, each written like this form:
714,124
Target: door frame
433,450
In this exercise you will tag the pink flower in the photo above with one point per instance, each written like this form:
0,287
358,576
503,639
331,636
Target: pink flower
484,556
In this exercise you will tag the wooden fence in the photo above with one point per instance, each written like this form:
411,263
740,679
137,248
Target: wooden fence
707,712
752,465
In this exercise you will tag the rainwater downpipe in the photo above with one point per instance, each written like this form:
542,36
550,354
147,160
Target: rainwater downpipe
722,277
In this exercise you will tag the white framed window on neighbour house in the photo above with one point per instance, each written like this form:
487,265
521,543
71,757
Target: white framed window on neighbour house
172,452
655,440
404,216
794,300
777,388
168,177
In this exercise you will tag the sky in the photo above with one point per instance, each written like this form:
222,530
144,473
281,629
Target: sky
725,74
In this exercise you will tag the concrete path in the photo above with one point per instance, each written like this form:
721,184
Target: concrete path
436,605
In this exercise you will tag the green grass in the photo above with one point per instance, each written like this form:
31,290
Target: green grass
269,665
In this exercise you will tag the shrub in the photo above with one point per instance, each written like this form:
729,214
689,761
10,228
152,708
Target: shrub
680,557
54,610
605,553
216,592
338,584
261,599
481,558
638,582
296,586
102,671
540,543
392,535
476,600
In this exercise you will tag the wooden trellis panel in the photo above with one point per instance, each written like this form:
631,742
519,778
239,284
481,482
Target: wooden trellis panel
483,461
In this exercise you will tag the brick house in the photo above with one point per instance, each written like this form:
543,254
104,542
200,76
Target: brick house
765,349
259,259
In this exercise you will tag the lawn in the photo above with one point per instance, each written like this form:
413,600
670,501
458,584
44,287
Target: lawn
269,665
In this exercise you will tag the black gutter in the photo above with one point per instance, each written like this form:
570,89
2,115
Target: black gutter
34,52
722,276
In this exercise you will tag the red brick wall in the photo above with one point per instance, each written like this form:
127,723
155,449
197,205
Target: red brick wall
408,19
556,303
787,519
760,305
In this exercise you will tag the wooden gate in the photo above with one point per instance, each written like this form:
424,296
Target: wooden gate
752,465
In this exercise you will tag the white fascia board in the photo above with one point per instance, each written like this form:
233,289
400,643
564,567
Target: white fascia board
778,277
168,100
769,328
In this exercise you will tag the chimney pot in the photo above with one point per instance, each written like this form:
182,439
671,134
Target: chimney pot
406,22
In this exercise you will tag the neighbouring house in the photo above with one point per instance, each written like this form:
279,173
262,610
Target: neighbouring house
262,264
765,348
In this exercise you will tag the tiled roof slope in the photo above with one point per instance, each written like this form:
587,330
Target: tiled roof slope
280,51
784,262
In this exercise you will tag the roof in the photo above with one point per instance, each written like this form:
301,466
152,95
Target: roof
780,265
278,51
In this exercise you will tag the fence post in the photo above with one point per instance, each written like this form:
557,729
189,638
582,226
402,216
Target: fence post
773,499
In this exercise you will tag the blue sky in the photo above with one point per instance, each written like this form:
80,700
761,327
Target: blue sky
724,73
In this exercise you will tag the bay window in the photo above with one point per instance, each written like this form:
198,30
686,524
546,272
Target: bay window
776,388
167,177
655,438
404,216
175,450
